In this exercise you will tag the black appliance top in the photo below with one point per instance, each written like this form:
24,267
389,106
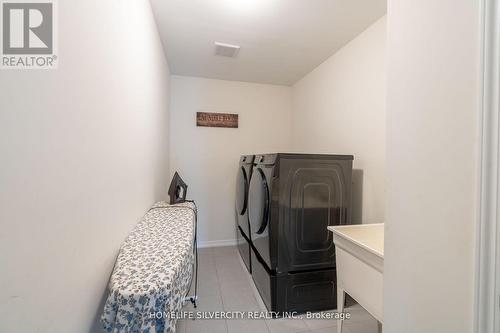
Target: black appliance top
247,159
272,158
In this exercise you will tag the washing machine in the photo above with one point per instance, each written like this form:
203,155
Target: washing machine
243,235
293,198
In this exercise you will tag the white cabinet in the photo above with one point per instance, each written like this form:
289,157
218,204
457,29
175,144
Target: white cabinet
359,251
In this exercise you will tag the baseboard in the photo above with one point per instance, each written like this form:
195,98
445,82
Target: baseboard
217,243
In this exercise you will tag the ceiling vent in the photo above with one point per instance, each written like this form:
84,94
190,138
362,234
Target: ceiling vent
226,50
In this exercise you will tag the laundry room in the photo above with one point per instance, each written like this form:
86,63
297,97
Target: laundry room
328,108
245,166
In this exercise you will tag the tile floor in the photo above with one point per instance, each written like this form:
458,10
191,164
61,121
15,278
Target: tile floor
225,285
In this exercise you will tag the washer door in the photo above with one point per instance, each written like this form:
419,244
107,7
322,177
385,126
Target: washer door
258,204
242,191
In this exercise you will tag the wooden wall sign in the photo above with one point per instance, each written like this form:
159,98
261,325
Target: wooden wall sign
210,119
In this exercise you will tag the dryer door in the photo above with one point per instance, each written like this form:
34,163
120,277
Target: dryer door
258,209
258,213
241,191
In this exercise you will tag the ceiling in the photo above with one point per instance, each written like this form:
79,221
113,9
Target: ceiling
281,40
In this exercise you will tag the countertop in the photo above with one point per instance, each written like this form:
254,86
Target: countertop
367,236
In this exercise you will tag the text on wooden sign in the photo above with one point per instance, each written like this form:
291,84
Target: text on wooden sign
210,119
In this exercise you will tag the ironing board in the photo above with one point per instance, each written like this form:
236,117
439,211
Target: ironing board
153,272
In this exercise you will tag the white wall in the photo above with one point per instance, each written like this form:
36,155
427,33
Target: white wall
340,108
84,152
432,112
207,158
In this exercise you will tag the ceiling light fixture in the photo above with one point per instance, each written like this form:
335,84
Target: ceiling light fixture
226,50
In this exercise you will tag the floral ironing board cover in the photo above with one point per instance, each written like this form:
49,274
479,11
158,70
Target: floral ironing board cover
153,272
